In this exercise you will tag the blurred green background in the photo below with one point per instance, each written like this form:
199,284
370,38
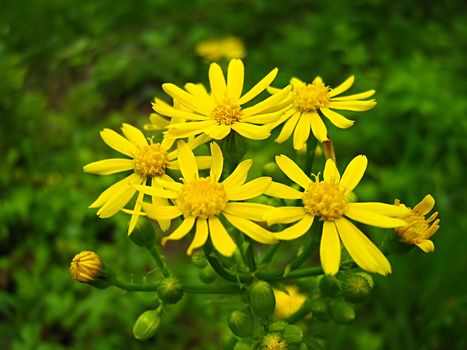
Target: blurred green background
69,69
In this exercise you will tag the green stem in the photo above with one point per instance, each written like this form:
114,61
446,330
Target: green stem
311,148
215,264
304,272
301,313
135,287
159,260
267,257
250,255
214,289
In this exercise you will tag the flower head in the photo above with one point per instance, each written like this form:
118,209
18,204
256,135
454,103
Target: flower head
419,229
216,49
219,112
328,200
288,303
147,161
273,341
203,201
309,102
85,266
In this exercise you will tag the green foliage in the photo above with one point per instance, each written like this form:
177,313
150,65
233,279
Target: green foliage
67,70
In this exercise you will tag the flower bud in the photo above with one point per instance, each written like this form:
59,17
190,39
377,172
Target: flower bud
273,341
277,326
243,345
368,278
199,259
170,290
207,274
241,323
143,235
146,325
87,267
303,346
329,286
319,308
262,299
342,312
355,288
292,334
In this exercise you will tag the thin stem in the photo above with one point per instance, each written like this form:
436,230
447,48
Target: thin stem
135,287
267,257
215,264
250,255
159,260
311,148
214,289
304,272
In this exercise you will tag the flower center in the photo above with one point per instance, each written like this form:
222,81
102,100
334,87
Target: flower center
202,198
151,160
417,227
226,113
325,200
311,97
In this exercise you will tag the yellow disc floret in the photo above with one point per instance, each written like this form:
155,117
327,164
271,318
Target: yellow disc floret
325,200
202,198
151,160
227,113
85,266
311,97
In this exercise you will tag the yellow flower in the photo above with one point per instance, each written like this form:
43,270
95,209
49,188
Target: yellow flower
219,112
216,49
310,99
147,161
288,303
85,266
419,230
201,201
329,201
273,341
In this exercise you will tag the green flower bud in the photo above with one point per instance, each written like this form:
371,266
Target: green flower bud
241,323
147,325
368,278
329,286
207,274
262,300
319,308
228,341
303,346
199,259
273,341
143,235
342,312
170,290
243,345
292,334
277,326
355,288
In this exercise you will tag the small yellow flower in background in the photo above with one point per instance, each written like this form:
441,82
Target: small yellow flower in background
148,161
216,49
419,230
308,100
288,304
219,112
329,201
201,201
85,266
273,341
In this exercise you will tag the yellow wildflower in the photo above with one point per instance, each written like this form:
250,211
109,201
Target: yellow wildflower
419,230
329,201
219,112
85,266
216,49
310,99
288,303
273,341
201,201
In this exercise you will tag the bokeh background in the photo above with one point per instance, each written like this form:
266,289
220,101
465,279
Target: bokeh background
69,69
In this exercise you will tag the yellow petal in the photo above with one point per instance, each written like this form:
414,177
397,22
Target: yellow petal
187,162
136,213
156,191
159,212
235,76
218,132
331,174
201,235
330,249
251,189
263,118
288,127
296,83
116,187
259,87
427,246
342,87
118,142
250,131
279,190
382,208
199,91
353,173
217,161
361,249
109,166
181,130
251,211
217,81
302,131
238,176
426,205
163,224
267,103
284,215
185,98
252,230
359,96
134,135
358,106
165,109
293,171
117,201
296,230
372,218
221,239
181,231
318,127
337,119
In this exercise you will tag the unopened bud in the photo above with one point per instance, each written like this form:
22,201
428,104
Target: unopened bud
199,259
277,326
243,345
207,274
170,290
147,325
329,286
319,308
292,334
262,300
143,235
87,267
355,288
273,341
342,312
241,323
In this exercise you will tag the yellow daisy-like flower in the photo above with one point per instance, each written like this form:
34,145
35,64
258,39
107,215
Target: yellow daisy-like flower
148,161
219,112
214,50
85,266
329,201
310,102
288,303
419,230
201,201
